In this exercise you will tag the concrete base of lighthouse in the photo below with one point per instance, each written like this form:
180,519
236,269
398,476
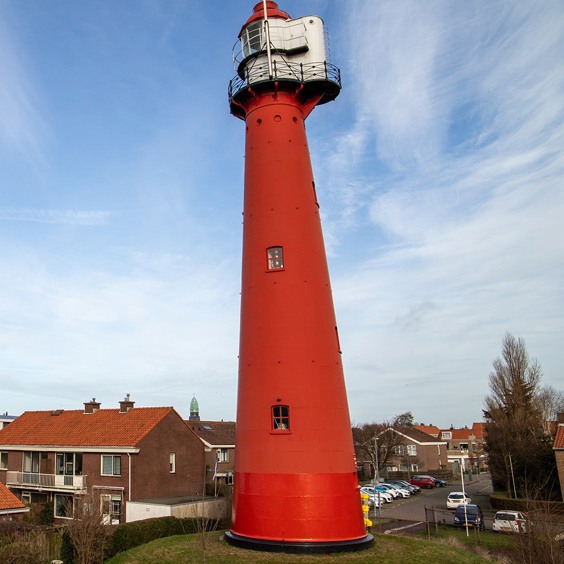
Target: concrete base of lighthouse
299,547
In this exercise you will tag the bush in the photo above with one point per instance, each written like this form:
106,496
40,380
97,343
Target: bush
130,535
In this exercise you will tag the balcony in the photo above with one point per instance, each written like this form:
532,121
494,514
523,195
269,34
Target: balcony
54,482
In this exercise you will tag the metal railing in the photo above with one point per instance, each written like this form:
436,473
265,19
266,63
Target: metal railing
286,71
35,480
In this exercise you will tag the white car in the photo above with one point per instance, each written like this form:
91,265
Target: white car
510,522
373,499
384,494
401,491
455,499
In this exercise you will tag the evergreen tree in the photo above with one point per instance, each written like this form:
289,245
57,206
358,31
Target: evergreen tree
520,455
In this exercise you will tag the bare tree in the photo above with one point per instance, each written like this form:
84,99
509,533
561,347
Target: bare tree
365,444
87,532
550,404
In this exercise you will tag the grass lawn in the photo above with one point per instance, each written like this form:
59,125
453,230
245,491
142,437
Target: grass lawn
387,549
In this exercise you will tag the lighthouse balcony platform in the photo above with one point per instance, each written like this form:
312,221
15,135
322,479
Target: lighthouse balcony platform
326,75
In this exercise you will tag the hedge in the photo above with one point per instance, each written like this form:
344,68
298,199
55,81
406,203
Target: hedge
130,535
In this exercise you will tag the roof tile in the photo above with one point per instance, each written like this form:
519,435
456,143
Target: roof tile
8,500
104,428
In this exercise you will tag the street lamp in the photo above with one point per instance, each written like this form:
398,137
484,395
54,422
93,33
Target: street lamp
376,470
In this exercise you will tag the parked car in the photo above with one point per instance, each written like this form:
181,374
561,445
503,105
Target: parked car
469,515
510,522
422,481
438,482
385,493
402,491
373,496
406,485
454,499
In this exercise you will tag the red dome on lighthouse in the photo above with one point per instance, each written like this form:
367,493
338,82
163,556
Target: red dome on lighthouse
272,10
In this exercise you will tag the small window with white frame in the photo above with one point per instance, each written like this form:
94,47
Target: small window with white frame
111,465
412,450
64,506
223,454
172,461
3,460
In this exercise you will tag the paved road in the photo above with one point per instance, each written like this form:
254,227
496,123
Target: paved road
412,509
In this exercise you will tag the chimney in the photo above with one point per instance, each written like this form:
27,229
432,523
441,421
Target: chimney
91,406
126,404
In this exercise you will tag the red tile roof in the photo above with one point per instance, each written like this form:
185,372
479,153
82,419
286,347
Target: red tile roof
104,428
8,500
429,429
559,439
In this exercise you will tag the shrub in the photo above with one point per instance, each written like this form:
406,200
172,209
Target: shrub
130,535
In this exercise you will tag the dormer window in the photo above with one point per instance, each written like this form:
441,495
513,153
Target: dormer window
275,258
280,418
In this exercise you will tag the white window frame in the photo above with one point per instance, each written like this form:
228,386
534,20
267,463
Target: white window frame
447,435
172,461
411,450
114,457
223,455
55,506
4,460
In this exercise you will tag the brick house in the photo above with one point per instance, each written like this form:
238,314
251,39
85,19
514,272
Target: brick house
416,452
558,447
110,456
11,508
465,447
218,438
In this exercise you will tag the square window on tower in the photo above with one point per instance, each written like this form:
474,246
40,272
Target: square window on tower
275,258
280,417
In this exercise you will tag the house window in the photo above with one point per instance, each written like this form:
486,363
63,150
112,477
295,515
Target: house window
111,465
63,506
172,460
463,446
447,435
3,460
69,464
223,454
412,450
229,478
399,450
280,417
275,258
31,462
26,498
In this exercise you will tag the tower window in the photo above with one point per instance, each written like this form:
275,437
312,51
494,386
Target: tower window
280,417
275,258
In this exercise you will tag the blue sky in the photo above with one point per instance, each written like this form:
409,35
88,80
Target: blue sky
439,171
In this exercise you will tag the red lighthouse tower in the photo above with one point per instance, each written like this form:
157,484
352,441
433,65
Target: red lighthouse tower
295,482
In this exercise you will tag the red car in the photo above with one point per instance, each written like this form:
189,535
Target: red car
422,481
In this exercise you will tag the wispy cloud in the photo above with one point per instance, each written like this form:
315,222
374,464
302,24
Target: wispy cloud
21,125
60,217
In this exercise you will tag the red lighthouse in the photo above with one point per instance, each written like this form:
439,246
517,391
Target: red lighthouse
295,482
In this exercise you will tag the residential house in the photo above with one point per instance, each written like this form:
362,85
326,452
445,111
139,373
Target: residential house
558,447
6,419
415,451
109,456
11,508
218,438
432,430
465,448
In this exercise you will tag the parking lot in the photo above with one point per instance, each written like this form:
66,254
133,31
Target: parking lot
430,504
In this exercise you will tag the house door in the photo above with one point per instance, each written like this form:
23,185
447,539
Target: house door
110,508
